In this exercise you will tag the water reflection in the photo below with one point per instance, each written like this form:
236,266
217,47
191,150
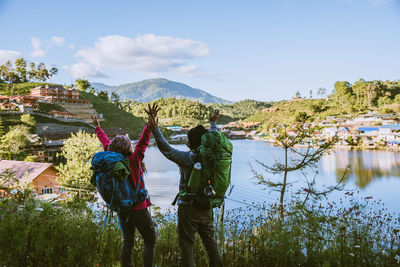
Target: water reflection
366,166
375,173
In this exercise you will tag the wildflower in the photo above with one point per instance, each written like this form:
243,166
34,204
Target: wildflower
351,254
356,246
39,209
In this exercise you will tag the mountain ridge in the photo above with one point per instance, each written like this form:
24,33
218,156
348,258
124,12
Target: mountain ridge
152,89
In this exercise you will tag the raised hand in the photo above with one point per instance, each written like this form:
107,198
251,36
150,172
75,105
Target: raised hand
152,120
152,110
95,121
214,117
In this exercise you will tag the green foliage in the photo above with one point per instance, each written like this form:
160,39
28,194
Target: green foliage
173,111
103,95
115,117
12,144
55,235
78,151
17,72
29,121
82,85
360,233
47,107
31,159
239,110
2,130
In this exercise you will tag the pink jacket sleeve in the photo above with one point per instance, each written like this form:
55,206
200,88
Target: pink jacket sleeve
102,138
142,144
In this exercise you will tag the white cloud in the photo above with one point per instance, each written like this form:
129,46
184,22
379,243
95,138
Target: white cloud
37,44
148,53
11,55
84,70
71,47
40,47
59,41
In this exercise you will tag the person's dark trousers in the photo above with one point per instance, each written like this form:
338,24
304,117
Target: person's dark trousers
190,220
140,219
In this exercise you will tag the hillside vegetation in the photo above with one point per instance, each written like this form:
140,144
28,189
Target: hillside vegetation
114,117
347,99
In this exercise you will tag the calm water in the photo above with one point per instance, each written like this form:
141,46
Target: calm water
374,173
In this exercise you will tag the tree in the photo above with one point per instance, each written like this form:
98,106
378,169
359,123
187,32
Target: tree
302,116
32,71
298,95
7,179
78,151
20,70
115,99
82,85
310,94
13,142
103,95
294,160
8,74
92,91
29,120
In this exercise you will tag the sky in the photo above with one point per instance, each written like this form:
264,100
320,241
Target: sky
262,50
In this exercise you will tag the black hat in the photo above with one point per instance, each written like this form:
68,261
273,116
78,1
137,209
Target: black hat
195,134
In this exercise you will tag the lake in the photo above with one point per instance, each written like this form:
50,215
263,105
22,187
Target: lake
373,173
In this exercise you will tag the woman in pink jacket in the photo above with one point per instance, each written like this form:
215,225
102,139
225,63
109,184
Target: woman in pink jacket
139,217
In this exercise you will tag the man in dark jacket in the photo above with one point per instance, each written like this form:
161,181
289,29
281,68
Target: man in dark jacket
190,218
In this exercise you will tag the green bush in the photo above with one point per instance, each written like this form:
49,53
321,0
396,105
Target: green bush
351,232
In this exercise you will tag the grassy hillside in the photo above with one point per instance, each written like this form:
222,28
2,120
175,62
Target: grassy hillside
115,117
286,111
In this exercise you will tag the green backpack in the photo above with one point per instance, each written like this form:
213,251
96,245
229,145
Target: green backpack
208,183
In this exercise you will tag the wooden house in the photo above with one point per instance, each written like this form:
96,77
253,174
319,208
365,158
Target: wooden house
41,176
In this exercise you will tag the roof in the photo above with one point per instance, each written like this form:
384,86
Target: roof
26,172
367,129
344,129
391,126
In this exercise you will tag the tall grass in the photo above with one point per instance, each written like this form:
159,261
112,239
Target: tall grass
353,232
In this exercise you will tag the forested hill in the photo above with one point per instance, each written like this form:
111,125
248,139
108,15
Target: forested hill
152,89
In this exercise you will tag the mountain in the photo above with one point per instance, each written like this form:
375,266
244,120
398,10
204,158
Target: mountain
152,89
100,86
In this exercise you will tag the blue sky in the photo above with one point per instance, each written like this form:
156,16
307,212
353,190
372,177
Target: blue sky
263,50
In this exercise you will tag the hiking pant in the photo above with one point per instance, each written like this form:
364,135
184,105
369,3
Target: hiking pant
190,221
140,219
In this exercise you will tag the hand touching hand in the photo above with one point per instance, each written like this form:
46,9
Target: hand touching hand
152,112
214,117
